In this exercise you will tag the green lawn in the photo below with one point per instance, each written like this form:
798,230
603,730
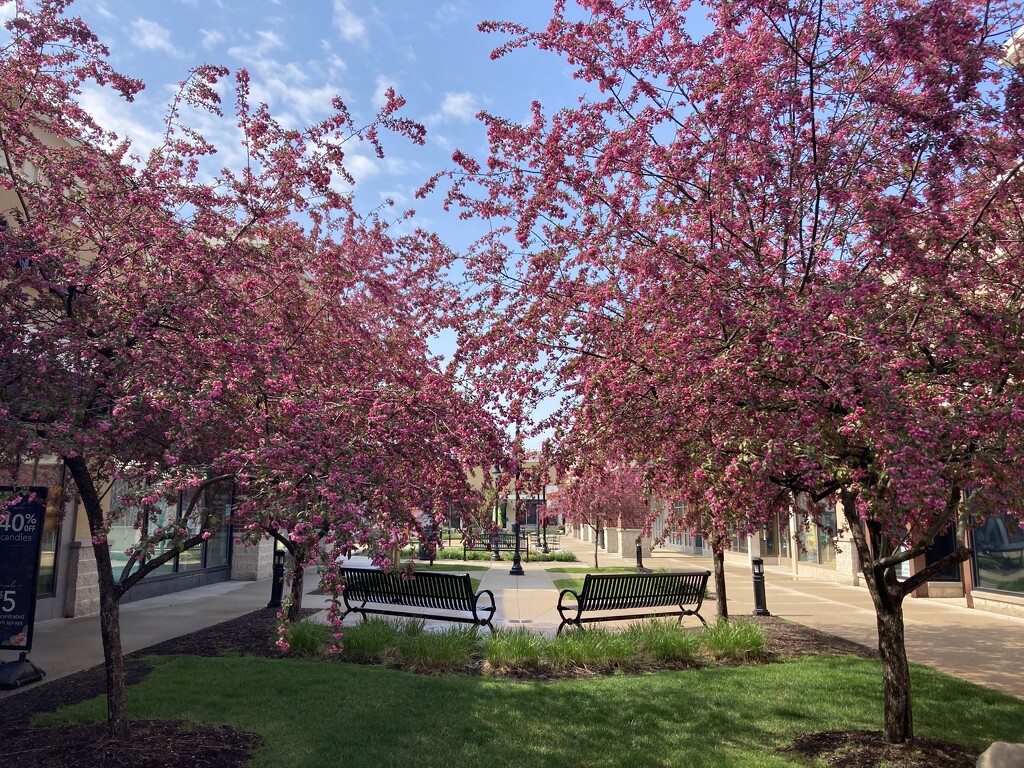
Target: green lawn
575,583
317,713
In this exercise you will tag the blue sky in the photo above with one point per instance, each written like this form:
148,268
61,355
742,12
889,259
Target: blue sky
301,53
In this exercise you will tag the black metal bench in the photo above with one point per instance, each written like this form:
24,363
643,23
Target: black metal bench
489,542
438,596
617,596
537,539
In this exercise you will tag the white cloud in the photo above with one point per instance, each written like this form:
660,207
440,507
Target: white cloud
6,12
114,114
255,52
269,41
335,64
362,167
102,10
461,107
380,98
447,14
351,27
150,36
211,38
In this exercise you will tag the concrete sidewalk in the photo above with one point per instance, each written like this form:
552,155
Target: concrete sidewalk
982,647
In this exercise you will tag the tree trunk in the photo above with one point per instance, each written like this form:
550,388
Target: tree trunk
718,559
887,596
899,720
295,606
113,655
110,618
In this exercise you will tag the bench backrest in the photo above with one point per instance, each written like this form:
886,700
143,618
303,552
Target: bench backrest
505,540
453,591
643,590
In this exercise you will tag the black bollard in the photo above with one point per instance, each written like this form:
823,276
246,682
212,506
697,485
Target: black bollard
639,554
760,609
277,579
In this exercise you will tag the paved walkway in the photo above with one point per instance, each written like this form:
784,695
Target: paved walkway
982,647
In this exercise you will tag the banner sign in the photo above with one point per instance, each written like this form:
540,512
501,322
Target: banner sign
21,539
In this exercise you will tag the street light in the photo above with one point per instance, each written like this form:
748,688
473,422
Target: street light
517,563
544,524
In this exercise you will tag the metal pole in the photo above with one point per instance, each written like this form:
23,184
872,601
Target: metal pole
639,554
517,563
544,501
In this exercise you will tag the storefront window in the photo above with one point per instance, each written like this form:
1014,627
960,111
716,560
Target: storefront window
740,542
769,539
816,536
46,586
125,533
999,547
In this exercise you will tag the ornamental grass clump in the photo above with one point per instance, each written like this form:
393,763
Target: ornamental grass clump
410,644
594,649
516,649
436,651
734,641
371,640
661,641
307,638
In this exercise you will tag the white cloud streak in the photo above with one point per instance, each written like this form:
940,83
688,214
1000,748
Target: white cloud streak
351,27
150,36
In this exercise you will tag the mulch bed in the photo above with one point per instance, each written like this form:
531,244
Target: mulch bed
172,744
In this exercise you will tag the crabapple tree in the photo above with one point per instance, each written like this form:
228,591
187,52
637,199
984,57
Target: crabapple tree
782,238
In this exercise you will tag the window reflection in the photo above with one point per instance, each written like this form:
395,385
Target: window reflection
999,547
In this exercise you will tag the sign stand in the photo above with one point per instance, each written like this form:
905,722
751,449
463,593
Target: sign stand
21,539
20,672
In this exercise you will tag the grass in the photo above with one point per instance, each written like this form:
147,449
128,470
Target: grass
444,567
575,583
315,713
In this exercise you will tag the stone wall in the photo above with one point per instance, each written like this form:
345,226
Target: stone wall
82,590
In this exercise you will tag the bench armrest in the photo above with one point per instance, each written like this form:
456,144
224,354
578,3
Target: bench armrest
490,599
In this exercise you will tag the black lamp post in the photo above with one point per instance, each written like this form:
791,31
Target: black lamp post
517,563
760,609
544,524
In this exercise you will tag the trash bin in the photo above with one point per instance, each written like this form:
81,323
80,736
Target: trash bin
426,545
